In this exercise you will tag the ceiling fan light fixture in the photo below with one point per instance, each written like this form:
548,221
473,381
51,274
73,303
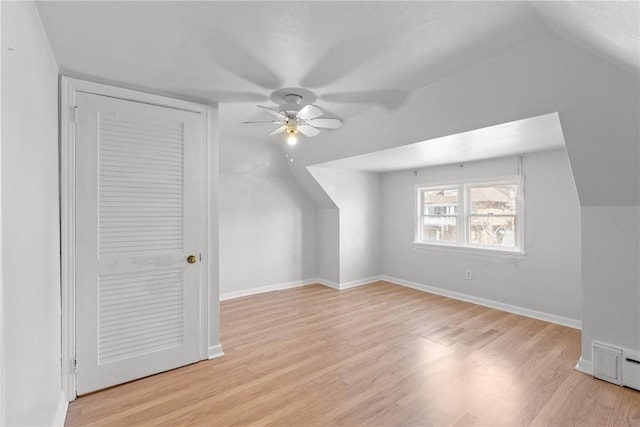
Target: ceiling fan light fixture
296,113
291,137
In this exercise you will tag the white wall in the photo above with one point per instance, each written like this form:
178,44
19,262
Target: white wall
268,223
611,293
213,227
30,218
357,196
546,280
598,105
2,318
329,245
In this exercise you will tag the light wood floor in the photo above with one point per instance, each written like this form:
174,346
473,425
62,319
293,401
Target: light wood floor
377,355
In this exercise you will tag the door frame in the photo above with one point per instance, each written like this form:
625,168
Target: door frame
208,322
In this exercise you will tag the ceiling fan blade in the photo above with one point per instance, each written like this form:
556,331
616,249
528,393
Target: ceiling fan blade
308,130
274,112
278,130
325,123
273,122
309,112
391,99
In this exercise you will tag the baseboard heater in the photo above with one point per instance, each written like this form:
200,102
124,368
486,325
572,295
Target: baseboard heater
631,371
616,365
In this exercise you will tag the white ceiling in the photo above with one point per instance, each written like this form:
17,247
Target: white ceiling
353,55
242,51
610,29
518,137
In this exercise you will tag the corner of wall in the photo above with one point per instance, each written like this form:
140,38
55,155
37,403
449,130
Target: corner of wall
61,412
2,338
3,420
328,251
585,366
357,195
213,133
215,351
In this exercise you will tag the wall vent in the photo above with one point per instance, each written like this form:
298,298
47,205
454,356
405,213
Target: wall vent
607,363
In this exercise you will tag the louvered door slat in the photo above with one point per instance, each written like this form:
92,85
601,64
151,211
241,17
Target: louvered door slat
146,126
127,294
160,152
116,167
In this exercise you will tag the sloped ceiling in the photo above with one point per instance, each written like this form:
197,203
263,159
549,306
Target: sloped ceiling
352,54
513,138
610,29
364,60
241,51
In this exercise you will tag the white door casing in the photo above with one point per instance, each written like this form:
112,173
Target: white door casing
138,214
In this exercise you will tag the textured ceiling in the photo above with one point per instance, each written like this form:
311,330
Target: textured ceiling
241,51
610,29
353,55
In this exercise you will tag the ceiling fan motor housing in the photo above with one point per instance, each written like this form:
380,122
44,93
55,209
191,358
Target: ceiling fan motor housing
292,99
293,104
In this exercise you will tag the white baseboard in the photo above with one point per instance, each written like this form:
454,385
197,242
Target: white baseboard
61,412
547,317
360,282
215,351
296,284
630,368
347,285
269,288
585,366
327,283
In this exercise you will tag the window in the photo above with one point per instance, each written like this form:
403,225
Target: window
485,214
440,214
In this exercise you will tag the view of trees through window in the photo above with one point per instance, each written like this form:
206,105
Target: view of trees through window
490,214
493,215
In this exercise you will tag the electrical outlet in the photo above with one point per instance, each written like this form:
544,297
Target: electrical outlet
469,275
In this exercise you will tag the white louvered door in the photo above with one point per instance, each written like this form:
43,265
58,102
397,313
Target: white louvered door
137,221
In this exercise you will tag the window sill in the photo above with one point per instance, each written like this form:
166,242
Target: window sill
440,247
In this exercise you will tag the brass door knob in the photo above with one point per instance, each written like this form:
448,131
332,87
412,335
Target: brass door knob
191,259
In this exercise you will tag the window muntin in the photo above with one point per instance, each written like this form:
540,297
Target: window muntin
478,215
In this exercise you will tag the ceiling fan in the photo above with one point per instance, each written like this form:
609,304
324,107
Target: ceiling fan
296,114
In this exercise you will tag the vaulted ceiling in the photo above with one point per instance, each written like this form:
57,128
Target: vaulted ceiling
396,72
353,55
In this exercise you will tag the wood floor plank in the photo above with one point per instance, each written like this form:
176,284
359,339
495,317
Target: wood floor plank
376,355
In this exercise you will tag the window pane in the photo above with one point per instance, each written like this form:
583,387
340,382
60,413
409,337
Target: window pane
442,201
495,231
493,200
439,229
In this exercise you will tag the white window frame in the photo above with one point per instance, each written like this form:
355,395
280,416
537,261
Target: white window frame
464,214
